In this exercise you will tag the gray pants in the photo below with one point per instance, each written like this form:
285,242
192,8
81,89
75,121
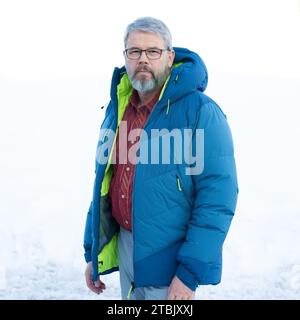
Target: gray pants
125,253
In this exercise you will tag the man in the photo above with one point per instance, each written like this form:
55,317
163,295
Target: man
162,225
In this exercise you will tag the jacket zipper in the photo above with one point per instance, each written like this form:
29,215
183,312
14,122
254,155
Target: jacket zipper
132,216
178,183
181,189
132,220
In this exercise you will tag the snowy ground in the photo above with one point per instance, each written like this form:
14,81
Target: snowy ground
49,131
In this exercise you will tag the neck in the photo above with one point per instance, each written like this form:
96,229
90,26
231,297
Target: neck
145,97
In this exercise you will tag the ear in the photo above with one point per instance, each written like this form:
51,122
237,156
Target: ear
171,58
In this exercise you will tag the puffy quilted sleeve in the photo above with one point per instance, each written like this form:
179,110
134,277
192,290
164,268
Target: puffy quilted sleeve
216,189
87,242
88,237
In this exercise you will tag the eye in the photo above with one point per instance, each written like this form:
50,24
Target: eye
133,51
153,51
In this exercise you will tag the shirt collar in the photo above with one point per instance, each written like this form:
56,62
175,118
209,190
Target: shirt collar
135,99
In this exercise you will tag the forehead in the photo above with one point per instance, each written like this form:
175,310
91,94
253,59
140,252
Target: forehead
144,40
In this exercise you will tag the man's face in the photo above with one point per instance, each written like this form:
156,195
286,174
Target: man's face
147,75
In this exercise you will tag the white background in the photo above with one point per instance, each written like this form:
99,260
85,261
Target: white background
56,62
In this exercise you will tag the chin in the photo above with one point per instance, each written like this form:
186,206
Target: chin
146,76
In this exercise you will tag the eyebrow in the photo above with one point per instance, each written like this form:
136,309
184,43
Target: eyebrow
142,49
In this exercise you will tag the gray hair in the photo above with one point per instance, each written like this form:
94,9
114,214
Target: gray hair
149,24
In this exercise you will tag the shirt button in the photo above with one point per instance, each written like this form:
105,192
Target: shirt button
122,196
126,221
127,169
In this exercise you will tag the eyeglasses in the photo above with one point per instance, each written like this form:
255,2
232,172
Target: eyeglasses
151,53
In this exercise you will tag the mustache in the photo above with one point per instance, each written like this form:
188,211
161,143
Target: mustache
143,68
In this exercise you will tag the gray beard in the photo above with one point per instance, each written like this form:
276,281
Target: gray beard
151,84
144,85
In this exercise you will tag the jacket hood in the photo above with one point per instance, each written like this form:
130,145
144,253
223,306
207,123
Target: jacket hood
188,74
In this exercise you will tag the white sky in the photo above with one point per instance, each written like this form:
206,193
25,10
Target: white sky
43,39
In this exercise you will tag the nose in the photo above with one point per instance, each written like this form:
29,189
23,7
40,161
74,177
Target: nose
143,58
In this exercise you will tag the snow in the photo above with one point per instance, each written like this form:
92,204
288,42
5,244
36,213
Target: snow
49,131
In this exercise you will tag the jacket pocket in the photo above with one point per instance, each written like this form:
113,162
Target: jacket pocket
178,183
182,190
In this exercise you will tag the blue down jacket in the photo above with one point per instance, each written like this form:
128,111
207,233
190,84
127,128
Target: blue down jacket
180,221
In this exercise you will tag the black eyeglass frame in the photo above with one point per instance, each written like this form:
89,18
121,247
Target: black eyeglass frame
145,50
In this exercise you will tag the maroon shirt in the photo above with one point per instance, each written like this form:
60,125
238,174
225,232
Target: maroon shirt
121,186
